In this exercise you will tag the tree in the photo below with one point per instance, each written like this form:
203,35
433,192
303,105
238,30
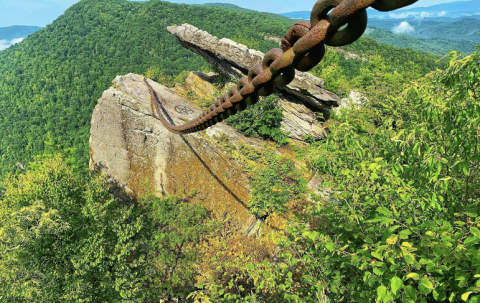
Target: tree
64,238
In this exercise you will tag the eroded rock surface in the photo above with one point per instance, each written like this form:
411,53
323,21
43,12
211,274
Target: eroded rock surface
234,59
131,146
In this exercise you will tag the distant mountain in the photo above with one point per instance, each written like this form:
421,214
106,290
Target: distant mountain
226,5
14,34
304,15
458,9
17,31
460,30
435,45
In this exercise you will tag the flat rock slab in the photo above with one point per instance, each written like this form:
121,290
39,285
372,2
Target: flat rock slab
132,147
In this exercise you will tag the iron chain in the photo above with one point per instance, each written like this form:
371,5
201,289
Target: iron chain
302,49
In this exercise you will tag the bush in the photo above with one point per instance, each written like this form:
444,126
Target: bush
261,120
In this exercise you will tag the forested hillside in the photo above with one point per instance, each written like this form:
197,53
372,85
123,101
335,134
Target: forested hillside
435,45
460,30
51,81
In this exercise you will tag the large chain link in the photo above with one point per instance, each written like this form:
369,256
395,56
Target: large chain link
302,48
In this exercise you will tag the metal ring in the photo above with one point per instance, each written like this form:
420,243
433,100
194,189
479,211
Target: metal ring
354,30
314,55
321,9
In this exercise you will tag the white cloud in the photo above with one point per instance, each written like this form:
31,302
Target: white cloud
401,15
6,43
403,28
417,15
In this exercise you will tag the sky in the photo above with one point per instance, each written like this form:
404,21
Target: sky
43,12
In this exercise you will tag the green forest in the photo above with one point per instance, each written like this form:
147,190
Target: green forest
435,45
466,29
396,220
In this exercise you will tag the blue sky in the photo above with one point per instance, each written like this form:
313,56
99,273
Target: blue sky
43,12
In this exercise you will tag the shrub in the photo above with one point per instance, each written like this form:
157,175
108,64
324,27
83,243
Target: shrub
261,120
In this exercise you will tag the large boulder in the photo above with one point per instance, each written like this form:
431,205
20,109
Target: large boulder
132,147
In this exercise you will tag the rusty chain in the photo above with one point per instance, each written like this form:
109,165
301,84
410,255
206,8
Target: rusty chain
302,49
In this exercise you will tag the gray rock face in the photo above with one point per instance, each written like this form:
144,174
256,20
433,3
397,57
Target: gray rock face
131,146
234,59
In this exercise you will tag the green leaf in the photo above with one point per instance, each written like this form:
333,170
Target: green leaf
409,258
381,292
410,291
425,286
471,240
384,211
475,231
413,276
378,271
250,266
330,246
466,295
396,284
312,235
426,283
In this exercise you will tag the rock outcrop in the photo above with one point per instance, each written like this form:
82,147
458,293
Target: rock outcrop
299,121
355,100
234,59
131,146
300,101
